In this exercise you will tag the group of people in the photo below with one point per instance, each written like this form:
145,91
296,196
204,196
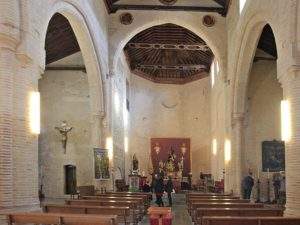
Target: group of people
278,186
159,188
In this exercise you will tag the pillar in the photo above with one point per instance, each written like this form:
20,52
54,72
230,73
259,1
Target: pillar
291,92
237,146
7,70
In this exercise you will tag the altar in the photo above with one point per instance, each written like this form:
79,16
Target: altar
170,157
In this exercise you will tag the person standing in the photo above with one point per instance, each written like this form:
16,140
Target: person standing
159,190
248,183
169,189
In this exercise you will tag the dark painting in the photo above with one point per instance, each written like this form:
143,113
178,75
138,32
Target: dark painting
273,156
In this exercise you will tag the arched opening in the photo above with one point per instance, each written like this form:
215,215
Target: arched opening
262,152
65,143
170,87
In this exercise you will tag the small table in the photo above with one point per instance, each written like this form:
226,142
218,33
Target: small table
159,212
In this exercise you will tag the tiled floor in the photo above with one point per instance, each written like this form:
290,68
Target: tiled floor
179,211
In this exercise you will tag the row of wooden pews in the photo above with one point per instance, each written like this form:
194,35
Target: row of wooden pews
107,209
224,209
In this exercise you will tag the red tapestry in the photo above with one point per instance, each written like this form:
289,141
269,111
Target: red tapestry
172,155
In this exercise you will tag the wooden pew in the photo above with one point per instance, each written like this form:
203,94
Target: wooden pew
191,203
134,209
240,212
199,194
59,219
250,221
123,213
222,205
139,200
146,196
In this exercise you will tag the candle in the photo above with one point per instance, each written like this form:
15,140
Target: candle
268,173
257,173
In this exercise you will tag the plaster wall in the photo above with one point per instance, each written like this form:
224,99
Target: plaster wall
65,96
262,121
160,110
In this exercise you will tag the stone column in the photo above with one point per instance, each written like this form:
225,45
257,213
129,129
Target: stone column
291,92
7,69
237,145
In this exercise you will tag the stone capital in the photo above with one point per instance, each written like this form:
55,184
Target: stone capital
292,74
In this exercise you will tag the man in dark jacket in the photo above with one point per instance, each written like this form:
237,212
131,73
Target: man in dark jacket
169,190
159,190
248,184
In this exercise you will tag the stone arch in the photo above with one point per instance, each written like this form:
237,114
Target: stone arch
245,55
92,60
206,36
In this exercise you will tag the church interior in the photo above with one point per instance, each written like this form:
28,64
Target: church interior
152,112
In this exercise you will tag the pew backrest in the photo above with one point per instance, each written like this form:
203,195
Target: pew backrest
250,221
60,219
246,212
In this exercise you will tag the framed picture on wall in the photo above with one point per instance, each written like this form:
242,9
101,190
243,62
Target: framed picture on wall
101,164
273,156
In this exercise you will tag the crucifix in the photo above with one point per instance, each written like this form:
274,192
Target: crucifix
64,129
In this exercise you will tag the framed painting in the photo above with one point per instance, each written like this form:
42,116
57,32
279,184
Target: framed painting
101,164
273,156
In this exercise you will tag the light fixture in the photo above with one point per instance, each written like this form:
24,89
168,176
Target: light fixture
285,121
117,101
214,147
34,112
227,150
126,144
109,147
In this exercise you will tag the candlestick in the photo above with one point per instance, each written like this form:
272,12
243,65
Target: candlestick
257,173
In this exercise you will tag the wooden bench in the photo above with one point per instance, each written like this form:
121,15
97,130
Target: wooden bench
250,221
134,209
191,203
60,219
222,205
123,213
146,196
139,200
240,212
211,195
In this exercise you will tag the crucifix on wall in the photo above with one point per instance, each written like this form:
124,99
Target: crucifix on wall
64,129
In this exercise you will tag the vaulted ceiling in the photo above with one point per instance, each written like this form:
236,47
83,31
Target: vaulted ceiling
267,41
218,6
60,39
168,54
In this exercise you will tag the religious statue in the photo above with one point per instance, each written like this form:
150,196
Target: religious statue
170,164
156,148
180,167
135,163
64,129
183,148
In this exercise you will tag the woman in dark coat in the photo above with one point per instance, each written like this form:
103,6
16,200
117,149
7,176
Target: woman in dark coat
159,190
169,190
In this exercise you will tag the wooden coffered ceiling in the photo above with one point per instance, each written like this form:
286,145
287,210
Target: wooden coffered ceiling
267,41
218,6
60,39
168,54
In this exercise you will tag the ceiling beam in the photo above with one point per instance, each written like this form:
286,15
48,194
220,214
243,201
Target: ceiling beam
117,7
170,67
199,47
220,2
